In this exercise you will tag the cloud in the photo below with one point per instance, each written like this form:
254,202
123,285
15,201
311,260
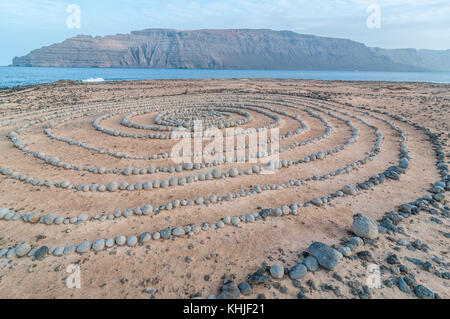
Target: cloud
404,23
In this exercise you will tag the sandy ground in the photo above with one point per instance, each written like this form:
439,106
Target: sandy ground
161,269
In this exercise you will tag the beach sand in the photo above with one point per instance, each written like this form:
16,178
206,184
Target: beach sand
176,268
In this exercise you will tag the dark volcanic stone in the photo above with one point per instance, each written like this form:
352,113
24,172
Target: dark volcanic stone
423,292
364,255
245,288
258,278
393,259
229,291
41,253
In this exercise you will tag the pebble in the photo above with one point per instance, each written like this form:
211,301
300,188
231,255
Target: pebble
402,285
349,190
70,249
84,247
277,271
423,292
22,250
109,242
245,288
98,245
317,201
364,227
327,257
311,263
59,251
298,271
345,251
178,232
392,259
41,253
229,291
233,172
112,187
132,241
121,240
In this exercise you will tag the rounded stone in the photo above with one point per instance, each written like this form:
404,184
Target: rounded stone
112,186
327,257
317,201
84,247
156,235
22,250
3,212
109,242
144,237
311,263
178,232
83,217
245,288
59,251
298,271
98,245
121,240
69,250
233,172
216,173
132,241
277,271
364,227
349,190
345,251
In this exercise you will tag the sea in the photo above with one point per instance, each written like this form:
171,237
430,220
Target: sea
21,76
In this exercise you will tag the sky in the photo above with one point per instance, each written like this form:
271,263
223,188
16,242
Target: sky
30,24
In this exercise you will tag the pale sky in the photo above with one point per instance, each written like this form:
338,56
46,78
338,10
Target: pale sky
30,24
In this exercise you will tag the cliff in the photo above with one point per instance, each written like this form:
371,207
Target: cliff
220,49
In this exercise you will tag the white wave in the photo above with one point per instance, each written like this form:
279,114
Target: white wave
93,80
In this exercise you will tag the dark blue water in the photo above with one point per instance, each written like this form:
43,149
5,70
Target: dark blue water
14,76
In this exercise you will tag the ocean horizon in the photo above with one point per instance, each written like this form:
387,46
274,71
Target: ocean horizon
11,76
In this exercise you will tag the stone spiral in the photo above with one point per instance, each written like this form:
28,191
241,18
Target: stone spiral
114,163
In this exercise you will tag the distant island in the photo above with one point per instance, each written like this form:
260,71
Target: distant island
230,49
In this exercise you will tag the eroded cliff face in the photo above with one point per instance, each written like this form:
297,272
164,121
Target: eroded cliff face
216,49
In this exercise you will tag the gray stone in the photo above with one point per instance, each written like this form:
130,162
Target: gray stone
245,288
69,250
144,237
233,172
59,251
110,242
165,233
121,240
216,173
327,257
113,186
178,232
364,227
349,190
229,291
311,263
98,245
22,250
423,292
41,253
345,251
298,271
277,271
402,285
317,201
84,247
132,241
